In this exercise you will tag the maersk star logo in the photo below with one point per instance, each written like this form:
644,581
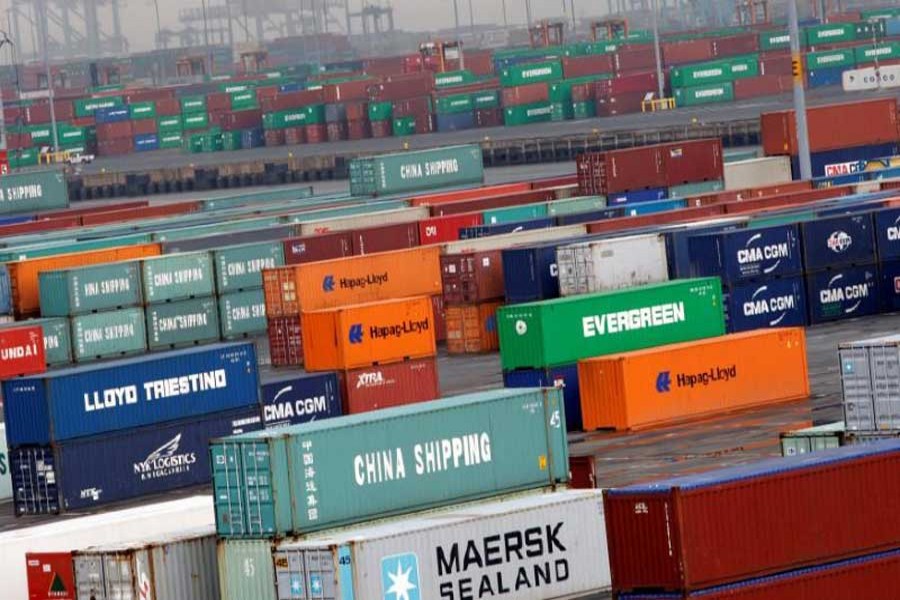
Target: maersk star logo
400,577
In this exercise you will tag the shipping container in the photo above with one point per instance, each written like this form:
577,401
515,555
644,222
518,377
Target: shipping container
123,394
242,314
607,265
777,302
564,378
285,341
389,385
365,334
310,227
33,191
385,238
50,576
22,350
812,439
704,94
81,290
300,398
757,172
179,566
414,171
183,323
87,472
178,277
660,538
501,441
472,277
679,382
837,241
108,334
5,481
621,170
692,162
23,274
57,338
318,247
887,233
746,254
531,273
563,331
240,267
869,382
472,329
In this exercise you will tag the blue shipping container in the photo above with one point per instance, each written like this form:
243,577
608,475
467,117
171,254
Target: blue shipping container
890,285
887,233
677,240
823,161
252,138
764,304
836,241
145,142
657,206
5,293
590,216
842,294
300,399
455,121
564,377
16,219
479,231
825,76
651,195
746,254
112,115
89,472
123,394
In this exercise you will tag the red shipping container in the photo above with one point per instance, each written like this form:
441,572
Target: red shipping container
525,94
384,238
382,129
480,62
242,119
833,127
336,132
21,351
764,85
424,123
50,576
359,129
693,162
784,200
269,91
146,212
632,82
18,141
581,473
40,225
582,92
346,91
294,136
748,521
420,85
12,114
285,341
274,137
438,230
687,51
635,58
472,329
775,64
170,107
218,102
115,147
684,215
143,126
114,131
149,95
622,104
77,212
315,134
554,183
584,66
779,188
621,170
488,202
293,100
472,277
357,111
412,107
385,386
318,247
440,318
744,43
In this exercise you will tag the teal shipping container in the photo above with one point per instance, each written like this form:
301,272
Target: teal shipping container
177,277
512,214
184,323
579,204
57,338
240,267
415,171
33,191
353,469
93,288
108,334
243,314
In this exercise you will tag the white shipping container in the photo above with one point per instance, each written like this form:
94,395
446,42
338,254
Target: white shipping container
387,217
5,480
889,77
107,528
856,80
870,379
181,566
612,264
757,172
531,548
507,240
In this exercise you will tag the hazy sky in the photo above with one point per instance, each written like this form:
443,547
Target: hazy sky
139,16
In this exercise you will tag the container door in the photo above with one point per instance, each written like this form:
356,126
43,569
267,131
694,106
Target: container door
120,577
856,381
884,365
305,575
89,583
34,482
320,575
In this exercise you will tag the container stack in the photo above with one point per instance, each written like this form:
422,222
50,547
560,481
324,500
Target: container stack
473,291
239,284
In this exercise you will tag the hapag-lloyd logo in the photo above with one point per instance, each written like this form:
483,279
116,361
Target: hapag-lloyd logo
165,461
353,283
357,333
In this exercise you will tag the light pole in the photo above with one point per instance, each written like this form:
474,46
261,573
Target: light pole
505,18
209,56
799,94
160,62
659,73
471,20
528,12
456,18
43,25
3,42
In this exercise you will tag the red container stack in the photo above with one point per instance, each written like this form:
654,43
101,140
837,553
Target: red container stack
285,341
438,230
583,66
385,386
689,51
385,238
472,291
318,247
525,94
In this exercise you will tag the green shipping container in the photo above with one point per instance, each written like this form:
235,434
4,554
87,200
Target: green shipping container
170,124
243,314
704,94
240,267
742,67
108,334
380,111
184,323
560,111
564,331
830,58
404,126
27,157
194,121
701,74
526,73
353,469
232,140
774,40
295,117
57,338
688,190
486,99
85,107
245,100
868,54
177,277
540,112
183,233
511,214
454,104
236,88
142,110
170,140
569,206
879,13
832,33
870,31
452,78
415,171
193,104
584,110
69,135
33,191
93,288
40,134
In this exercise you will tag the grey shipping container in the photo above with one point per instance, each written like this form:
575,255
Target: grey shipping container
177,277
208,242
107,334
178,567
612,264
243,314
184,323
93,288
870,378
240,267
57,338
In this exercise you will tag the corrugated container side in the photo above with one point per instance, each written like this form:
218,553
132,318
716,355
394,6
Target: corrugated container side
387,386
242,314
240,267
318,247
108,334
612,264
22,351
182,323
295,399
245,570
386,217
285,341
472,329
89,289
472,277
178,277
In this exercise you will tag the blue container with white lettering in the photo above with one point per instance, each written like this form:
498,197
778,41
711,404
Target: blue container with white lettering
479,231
299,399
146,142
650,195
838,241
746,254
114,114
564,377
677,239
124,394
825,76
89,472
657,206
889,272
887,233
847,293
831,162
765,304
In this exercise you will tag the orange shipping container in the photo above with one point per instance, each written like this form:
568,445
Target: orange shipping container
679,382
366,334
472,329
352,280
23,274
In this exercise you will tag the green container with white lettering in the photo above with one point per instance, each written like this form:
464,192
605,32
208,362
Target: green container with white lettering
170,125
193,104
869,54
526,73
243,314
33,191
88,289
830,58
85,107
240,267
195,121
171,140
580,204
181,324
561,332
142,110
526,114
831,33
108,334
704,94
512,214
177,276
774,40
57,338
347,470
